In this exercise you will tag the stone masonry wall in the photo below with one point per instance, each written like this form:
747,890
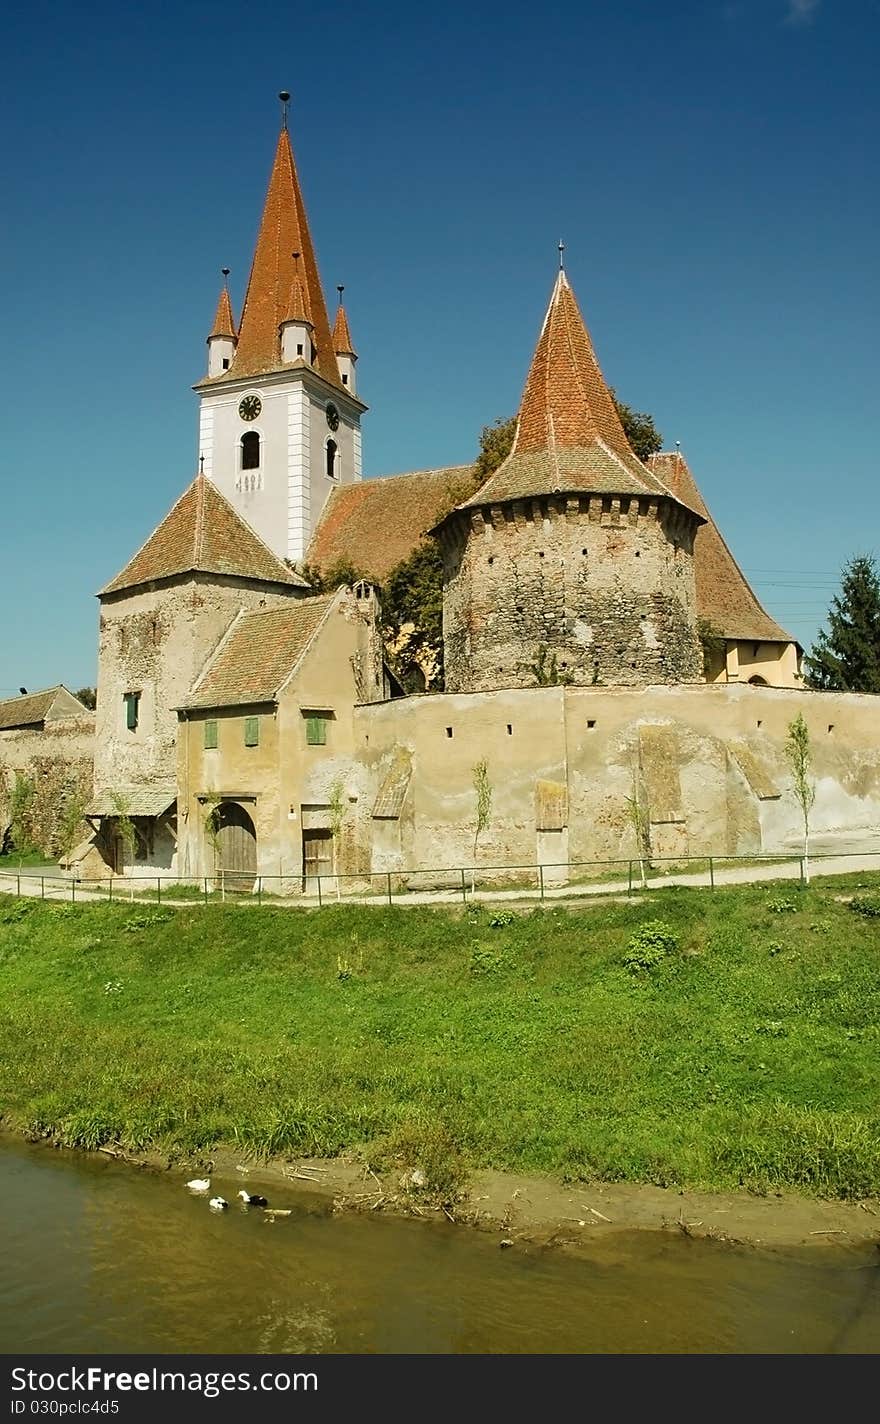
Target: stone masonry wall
604,583
155,640
58,762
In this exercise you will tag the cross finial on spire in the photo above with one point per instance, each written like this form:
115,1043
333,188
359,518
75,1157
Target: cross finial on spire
340,289
285,100
560,248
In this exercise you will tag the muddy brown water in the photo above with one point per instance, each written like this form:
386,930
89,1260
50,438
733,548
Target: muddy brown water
99,1257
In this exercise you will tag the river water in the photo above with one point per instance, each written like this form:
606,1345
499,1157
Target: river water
99,1257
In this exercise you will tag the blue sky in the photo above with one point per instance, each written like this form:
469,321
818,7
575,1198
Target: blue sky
711,167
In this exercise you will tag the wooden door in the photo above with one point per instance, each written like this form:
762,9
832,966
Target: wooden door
236,846
317,858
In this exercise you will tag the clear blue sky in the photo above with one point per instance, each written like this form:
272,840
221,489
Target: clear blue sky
711,167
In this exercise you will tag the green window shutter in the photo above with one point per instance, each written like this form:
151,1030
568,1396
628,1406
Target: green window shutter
131,710
252,731
211,735
316,731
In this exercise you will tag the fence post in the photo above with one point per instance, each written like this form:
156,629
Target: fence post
320,901
110,891
463,886
18,884
388,878
72,891
630,885
259,889
158,889
541,878
711,874
206,889
801,863
42,887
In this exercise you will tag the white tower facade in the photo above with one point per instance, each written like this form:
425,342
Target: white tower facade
278,425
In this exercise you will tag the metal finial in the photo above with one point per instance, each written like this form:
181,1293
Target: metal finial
296,257
678,444
285,100
225,271
201,464
561,248
340,289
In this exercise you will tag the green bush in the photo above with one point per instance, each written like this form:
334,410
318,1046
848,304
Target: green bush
649,946
868,905
781,907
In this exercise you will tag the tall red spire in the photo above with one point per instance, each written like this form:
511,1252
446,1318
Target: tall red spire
284,230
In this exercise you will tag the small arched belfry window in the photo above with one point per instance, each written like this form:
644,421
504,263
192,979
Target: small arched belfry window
332,452
250,450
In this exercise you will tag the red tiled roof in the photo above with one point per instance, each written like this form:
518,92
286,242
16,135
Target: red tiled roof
723,593
224,322
202,533
259,653
375,524
568,435
342,342
284,230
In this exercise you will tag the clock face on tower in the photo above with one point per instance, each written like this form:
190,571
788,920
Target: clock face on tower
249,407
332,417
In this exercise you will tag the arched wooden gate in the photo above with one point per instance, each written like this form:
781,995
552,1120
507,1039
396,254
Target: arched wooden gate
236,845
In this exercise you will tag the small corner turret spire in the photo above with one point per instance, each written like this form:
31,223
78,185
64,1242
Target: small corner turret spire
223,337
285,100
343,346
297,327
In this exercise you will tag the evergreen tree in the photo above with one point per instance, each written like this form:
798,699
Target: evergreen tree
846,658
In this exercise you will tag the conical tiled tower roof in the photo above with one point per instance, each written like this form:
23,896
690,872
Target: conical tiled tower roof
284,229
224,322
724,596
202,533
342,342
568,436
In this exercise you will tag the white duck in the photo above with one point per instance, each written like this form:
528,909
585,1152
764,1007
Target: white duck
218,1204
199,1186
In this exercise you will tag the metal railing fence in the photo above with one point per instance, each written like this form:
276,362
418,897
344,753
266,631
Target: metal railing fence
433,885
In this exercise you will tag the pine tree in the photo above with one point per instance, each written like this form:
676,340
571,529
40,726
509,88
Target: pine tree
846,658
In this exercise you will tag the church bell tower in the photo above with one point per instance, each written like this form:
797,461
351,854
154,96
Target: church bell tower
279,420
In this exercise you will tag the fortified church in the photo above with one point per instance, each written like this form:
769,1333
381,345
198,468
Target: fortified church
245,723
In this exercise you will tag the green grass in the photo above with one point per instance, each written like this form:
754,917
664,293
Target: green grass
16,860
747,1052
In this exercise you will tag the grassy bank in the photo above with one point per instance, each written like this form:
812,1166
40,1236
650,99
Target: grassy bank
737,1043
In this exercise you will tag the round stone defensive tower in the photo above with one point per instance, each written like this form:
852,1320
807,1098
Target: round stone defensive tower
573,562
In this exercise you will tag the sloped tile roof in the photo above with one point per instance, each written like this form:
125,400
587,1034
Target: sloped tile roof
377,523
140,800
568,436
258,654
284,229
224,322
342,342
724,596
27,711
202,533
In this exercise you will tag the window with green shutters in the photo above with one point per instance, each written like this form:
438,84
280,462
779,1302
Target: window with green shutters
211,735
131,700
316,731
252,731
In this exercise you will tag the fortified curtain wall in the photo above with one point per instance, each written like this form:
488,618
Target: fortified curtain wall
58,761
705,763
